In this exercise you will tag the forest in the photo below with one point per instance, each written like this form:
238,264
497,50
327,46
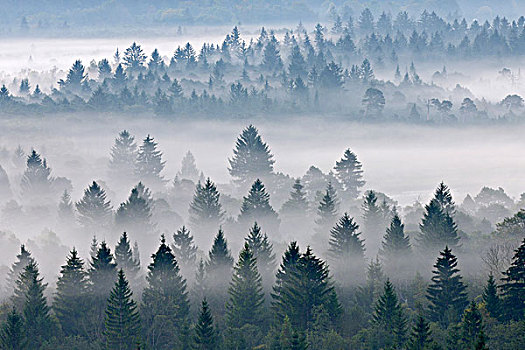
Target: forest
266,262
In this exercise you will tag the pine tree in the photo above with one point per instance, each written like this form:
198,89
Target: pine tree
12,335
38,325
491,298
297,204
256,207
165,300
389,317
188,168
69,303
122,320
123,156
262,251
94,211
443,196
373,222
134,215
349,172
93,248
437,228
36,181
149,164
395,247
420,338
327,212
471,326
344,240
206,212
22,260
446,293
513,286
66,212
184,250
245,306
284,279
205,337
251,157
125,260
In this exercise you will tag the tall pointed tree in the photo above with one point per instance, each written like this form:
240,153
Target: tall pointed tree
94,211
123,157
205,337
184,250
420,338
513,286
327,212
36,181
395,248
125,260
206,213
349,172
149,164
491,298
373,222
66,212
23,259
256,207
437,228
446,294
471,326
134,215
262,250
122,318
297,204
251,159
12,335
443,196
188,168
69,303
284,279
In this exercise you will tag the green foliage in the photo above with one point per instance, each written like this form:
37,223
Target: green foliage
205,337
23,259
184,249
205,209
471,326
437,228
513,286
12,335
420,338
389,316
344,240
491,298
124,258
262,251
327,211
256,206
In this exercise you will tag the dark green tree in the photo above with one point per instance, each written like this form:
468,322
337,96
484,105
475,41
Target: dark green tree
348,170
94,211
12,335
256,207
327,212
69,303
344,240
165,301
513,286
23,259
420,338
437,228
283,281
206,213
122,318
395,248
262,251
446,294
205,337
443,196
491,298
471,326
251,159
125,260
149,164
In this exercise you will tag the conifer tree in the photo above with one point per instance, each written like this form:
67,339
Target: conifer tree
94,211
437,228
262,251
471,326
389,317
206,212
188,168
36,180
443,196
23,259
373,222
420,338
256,207
149,164
66,212
125,260
349,172
93,248
513,286
122,320
69,303
205,337
283,281
165,300
327,212
446,293
395,248
184,250
123,156
251,158
245,306
297,204
134,215
12,335
491,298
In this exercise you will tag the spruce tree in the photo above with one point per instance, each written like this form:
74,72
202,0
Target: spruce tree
389,317
297,204
471,326
149,164
251,158
420,338
206,212
513,286
443,196
373,222
165,300
256,207
284,280
69,303
349,172
446,294
123,157
345,242
205,337
134,215
326,212
23,259
122,320
437,228
245,306
491,298
395,248
125,260
12,335
36,181
262,250
184,250
66,212
94,211
188,168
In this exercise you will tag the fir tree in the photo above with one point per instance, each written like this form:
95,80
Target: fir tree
23,259
327,211
122,318
205,337
297,204
12,335
149,164
93,248
36,180
513,286
184,250
262,251
284,280
389,317
94,211
206,212
395,247
134,215
123,156
344,240
373,222
251,157
188,168
349,172
69,303
245,306
66,212
256,207
446,293
125,260
437,228
491,298
420,338
471,326
443,196
165,300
